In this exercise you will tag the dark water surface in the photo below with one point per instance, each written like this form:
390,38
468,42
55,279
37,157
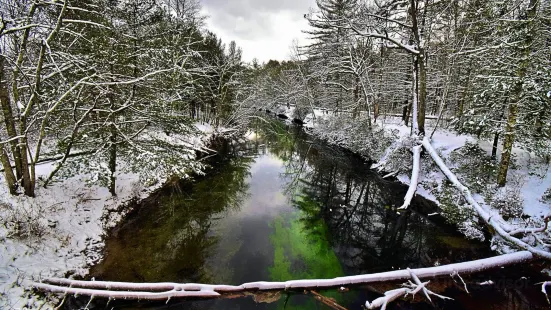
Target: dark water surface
283,206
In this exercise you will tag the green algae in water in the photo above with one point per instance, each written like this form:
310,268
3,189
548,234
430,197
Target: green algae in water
303,251
297,255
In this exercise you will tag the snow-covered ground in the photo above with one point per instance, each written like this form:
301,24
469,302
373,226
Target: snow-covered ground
534,173
59,233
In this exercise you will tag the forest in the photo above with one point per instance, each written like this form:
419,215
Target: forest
105,102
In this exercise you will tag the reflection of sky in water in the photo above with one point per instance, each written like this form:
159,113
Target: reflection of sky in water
245,248
265,187
244,251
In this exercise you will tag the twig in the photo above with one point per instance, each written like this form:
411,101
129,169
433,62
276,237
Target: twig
330,302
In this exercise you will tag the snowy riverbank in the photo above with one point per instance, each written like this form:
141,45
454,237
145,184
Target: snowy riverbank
59,233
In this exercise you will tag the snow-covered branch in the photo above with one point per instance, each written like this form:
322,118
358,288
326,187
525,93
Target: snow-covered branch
411,288
407,48
544,291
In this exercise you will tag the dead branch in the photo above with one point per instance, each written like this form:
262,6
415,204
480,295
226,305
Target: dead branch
330,302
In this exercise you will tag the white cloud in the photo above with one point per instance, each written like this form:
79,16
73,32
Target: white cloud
264,29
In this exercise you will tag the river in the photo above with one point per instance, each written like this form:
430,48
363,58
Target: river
280,206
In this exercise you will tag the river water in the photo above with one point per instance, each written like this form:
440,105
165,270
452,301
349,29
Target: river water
284,206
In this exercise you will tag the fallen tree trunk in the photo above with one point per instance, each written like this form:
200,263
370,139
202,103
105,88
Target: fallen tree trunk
414,177
492,220
165,291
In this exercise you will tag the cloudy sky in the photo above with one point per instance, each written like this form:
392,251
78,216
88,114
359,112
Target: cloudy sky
264,29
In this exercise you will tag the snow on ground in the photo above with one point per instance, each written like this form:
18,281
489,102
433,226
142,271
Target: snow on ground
59,233
536,174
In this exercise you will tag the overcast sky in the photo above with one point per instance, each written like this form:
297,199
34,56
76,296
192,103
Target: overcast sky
264,29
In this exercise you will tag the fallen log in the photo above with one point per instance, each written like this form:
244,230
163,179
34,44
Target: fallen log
165,291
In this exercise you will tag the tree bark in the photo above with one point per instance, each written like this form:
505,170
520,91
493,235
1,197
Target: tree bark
113,160
8,172
516,95
28,183
495,145
420,70
9,120
421,108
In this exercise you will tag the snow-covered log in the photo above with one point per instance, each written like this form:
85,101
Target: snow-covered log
544,291
491,220
162,291
414,177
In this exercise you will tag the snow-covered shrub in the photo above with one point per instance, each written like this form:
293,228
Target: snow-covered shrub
474,166
400,159
546,196
355,134
508,199
471,230
301,112
162,159
23,221
458,212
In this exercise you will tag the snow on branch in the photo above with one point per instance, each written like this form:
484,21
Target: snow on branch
162,291
408,48
411,288
80,21
414,177
491,220
544,291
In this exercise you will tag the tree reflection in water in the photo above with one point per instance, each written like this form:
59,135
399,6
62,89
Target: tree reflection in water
169,236
336,189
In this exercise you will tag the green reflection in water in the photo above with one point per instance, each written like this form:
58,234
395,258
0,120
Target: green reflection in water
302,251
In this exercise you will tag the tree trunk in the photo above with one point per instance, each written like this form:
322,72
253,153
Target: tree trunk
509,140
495,145
516,95
9,120
408,112
405,112
8,172
168,291
420,71
113,160
28,183
356,97
497,134
421,108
